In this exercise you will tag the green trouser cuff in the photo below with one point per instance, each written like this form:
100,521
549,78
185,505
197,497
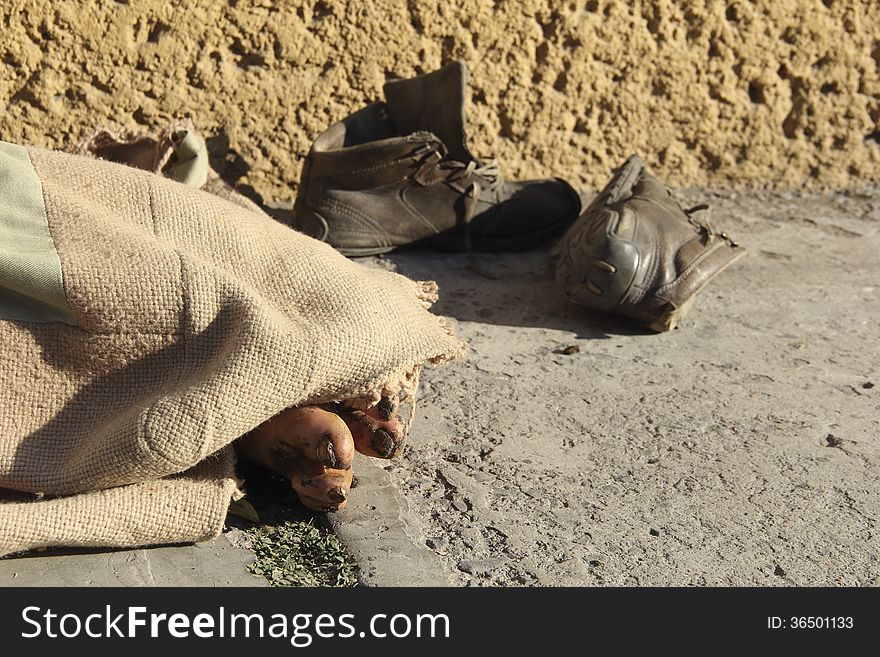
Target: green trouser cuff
31,284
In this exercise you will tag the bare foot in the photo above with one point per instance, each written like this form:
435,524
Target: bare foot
314,446
310,446
377,430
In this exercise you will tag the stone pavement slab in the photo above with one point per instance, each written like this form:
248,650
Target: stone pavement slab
214,563
382,535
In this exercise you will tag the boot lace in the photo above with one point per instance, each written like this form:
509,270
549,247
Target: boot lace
701,222
483,176
474,170
488,170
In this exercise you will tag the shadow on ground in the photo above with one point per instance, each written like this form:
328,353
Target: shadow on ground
506,289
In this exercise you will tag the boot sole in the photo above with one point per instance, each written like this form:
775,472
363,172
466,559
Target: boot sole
455,244
361,252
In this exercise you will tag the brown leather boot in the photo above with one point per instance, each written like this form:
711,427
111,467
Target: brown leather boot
400,172
635,252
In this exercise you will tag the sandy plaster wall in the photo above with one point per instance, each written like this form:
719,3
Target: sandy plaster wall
764,93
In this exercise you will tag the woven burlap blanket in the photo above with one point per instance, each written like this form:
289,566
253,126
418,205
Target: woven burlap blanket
145,325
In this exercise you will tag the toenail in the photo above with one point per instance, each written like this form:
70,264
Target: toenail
326,452
337,495
385,408
383,443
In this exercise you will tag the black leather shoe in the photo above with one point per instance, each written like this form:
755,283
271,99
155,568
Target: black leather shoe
399,172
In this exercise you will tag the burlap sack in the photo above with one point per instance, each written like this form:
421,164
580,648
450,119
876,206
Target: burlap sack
194,320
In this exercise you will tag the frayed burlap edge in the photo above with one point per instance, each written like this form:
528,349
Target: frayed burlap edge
130,516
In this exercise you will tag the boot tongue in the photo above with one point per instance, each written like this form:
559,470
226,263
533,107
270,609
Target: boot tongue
433,102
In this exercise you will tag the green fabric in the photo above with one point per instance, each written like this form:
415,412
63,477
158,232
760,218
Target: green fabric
31,287
190,163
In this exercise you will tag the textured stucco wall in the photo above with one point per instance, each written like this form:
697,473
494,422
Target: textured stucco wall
772,92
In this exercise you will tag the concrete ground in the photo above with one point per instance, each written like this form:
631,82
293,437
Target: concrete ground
740,449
